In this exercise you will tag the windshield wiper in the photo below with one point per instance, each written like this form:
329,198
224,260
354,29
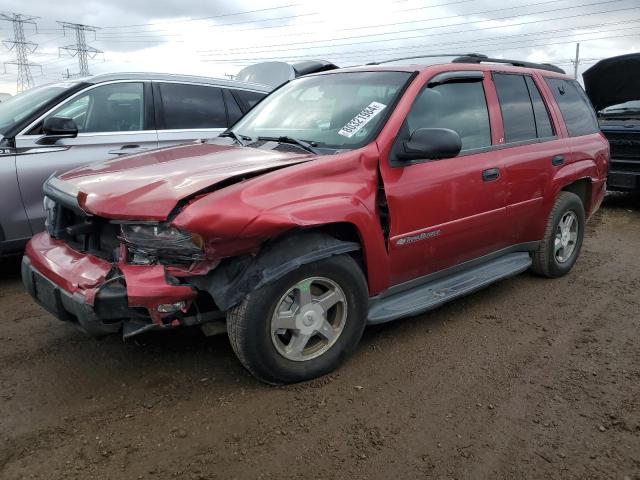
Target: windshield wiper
238,138
308,146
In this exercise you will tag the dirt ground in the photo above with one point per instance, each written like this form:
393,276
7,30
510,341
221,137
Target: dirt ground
530,378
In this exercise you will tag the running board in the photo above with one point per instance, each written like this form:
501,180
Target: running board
430,295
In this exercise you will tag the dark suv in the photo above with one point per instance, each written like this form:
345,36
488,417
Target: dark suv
613,87
351,197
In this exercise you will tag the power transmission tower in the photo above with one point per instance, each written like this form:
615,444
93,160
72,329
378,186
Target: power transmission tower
22,47
81,50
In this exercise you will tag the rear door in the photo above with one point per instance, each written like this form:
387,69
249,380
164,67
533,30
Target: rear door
112,118
187,112
532,149
587,142
445,212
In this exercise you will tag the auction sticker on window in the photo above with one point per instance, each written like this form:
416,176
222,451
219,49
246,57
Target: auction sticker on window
365,116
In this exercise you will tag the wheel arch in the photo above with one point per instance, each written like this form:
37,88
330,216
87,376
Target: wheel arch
237,277
581,188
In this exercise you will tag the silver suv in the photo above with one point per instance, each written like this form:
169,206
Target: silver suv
60,126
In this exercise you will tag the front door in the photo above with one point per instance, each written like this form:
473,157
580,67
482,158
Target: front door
445,212
112,120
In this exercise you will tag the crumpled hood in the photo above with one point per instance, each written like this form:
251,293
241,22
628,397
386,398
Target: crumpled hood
148,186
613,80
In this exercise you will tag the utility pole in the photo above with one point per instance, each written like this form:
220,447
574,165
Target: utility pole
576,62
22,47
81,50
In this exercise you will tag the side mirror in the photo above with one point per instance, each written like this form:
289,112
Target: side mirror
55,128
431,143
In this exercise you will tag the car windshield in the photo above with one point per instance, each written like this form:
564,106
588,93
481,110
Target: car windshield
338,110
22,105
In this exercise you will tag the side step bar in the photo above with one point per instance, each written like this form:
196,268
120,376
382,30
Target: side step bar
430,295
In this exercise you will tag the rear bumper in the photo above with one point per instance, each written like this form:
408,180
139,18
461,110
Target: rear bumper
96,295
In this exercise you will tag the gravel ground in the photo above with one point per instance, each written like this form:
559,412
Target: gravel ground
530,378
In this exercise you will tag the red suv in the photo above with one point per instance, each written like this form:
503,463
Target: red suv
346,198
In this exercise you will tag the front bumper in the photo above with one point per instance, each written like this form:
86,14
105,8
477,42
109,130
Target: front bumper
624,181
103,317
97,296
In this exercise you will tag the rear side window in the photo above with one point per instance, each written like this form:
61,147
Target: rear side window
540,112
461,107
576,110
250,98
192,106
517,110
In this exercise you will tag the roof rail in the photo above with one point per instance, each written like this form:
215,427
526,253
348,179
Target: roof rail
478,58
459,55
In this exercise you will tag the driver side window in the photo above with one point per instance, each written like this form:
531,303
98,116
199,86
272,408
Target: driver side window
116,107
460,106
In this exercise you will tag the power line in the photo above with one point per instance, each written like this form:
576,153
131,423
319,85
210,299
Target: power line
263,27
80,49
246,12
498,50
235,23
332,44
209,17
22,47
456,44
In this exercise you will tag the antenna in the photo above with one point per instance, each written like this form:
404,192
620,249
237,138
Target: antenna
22,48
81,50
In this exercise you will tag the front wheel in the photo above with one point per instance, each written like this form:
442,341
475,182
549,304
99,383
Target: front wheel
560,247
304,324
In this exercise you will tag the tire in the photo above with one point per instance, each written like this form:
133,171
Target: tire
547,261
266,351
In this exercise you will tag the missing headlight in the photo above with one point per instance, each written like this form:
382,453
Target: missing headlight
148,243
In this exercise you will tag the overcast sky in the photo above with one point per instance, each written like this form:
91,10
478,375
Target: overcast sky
220,37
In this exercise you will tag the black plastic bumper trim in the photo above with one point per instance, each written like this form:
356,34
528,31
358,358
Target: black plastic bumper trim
104,318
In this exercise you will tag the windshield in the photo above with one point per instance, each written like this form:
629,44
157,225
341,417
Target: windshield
340,110
22,105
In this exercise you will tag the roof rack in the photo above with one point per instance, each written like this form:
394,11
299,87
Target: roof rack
479,58
460,55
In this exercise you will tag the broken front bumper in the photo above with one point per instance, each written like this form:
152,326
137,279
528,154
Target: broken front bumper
98,296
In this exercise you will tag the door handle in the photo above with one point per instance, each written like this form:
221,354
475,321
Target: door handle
491,174
557,160
127,150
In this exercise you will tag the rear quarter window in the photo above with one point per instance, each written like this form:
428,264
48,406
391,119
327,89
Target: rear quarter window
577,112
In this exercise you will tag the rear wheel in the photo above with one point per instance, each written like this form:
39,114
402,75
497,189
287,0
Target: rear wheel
302,325
560,247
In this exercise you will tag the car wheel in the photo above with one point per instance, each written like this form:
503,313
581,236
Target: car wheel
304,324
560,247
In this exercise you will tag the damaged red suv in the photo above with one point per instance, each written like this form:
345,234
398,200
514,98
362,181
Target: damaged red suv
351,197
